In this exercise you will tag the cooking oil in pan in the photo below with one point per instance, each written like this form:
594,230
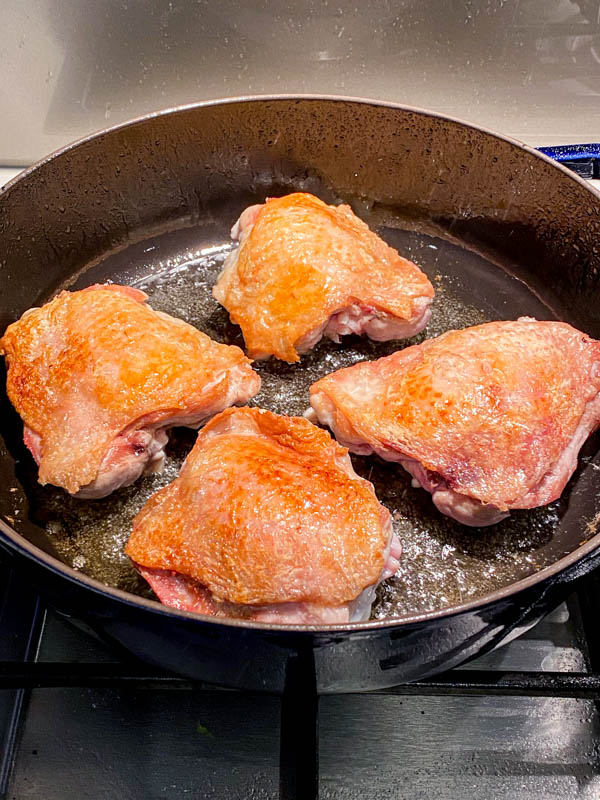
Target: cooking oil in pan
443,563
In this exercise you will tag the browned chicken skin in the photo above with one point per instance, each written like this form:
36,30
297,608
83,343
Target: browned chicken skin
304,270
98,377
267,520
487,419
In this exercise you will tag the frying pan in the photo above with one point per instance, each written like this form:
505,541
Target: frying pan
501,230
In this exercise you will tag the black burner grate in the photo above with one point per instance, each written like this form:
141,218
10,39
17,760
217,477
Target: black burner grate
21,623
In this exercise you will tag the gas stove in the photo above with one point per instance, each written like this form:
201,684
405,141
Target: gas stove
81,719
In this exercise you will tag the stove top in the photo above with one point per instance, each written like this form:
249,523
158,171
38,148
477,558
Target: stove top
518,723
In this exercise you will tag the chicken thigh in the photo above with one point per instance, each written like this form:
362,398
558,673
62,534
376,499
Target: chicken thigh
487,419
267,521
304,270
98,376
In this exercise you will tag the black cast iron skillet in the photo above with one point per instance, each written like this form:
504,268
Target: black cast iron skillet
501,230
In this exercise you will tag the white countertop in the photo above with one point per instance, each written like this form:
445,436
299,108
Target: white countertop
8,173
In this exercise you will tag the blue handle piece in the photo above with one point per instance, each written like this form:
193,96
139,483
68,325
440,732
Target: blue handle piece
571,152
584,159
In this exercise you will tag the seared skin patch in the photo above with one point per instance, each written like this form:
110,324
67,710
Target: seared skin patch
267,510
97,376
496,413
305,269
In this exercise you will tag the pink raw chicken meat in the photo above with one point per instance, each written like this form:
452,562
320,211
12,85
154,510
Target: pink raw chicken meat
304,270
487,419
98,377
267,521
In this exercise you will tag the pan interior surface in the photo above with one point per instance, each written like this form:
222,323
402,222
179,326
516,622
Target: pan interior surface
444,564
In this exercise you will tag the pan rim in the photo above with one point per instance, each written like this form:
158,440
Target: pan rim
18,542
260,98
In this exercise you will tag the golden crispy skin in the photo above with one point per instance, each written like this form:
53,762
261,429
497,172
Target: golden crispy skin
491,408
90,364
302,262
266,509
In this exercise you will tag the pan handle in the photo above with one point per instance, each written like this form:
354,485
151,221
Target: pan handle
584,159
579,570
